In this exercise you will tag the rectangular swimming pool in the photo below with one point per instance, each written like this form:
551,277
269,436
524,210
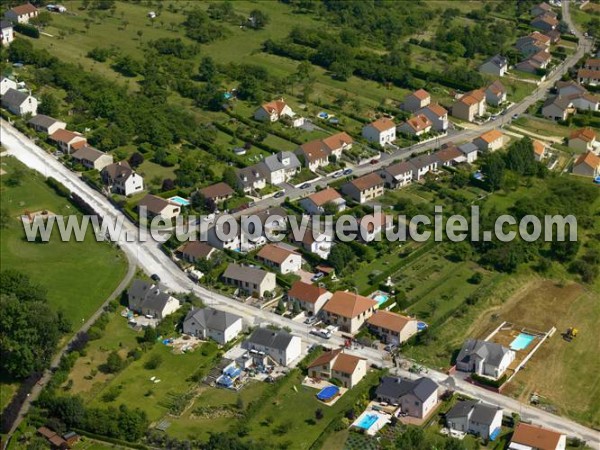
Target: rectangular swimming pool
180,200
367,421
522,341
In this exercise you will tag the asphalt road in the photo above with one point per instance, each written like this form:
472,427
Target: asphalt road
151,259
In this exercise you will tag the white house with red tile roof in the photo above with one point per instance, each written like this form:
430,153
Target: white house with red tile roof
437,114
279,258
391,327
416,125
21,13
315,203
539,150
349,369
587,165
348,310
533,437
583,139
273,111
338,143
495,93
490,141
416,100
470,105
365,188
310,297
68,140
382,131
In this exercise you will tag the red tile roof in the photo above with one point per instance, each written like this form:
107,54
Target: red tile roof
367,181
389,321
491,136
347,304
306,292
536,437
585,134
274,253
383,124
325,196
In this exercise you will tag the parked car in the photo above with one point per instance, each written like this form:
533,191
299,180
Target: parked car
323,333
305,186
374,161
155,277
279,194
317,276
310,320
347,172
338,174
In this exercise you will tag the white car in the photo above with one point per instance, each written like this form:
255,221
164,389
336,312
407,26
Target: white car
324,333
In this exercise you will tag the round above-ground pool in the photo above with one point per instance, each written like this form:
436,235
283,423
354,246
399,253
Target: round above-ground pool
328,393
421,326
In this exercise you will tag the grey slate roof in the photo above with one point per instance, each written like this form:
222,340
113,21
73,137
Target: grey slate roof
421,388
461,409
274,162
4,24
484,413
498,61
245,273
154,296
279,340
13,98
213,319
491,352
88,153
423,161
561,102
467,148
42,121
399,168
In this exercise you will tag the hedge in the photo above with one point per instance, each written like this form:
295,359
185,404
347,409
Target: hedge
489,382
27,30
58,188
110,440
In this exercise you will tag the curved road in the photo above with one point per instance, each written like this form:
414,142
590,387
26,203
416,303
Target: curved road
151,259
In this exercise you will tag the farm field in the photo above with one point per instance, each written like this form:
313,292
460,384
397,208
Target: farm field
79,276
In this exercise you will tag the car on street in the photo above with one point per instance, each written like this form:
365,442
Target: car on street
338,174
155,277
374,161
279,194
515,116
305,186
323,333
347,172
310,320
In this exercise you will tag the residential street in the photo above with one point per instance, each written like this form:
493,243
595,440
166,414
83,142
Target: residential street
149,257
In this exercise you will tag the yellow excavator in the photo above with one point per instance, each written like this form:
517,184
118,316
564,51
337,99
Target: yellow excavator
570,334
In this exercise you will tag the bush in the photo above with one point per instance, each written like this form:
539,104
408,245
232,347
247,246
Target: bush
27,30
489,382
154,362
58,188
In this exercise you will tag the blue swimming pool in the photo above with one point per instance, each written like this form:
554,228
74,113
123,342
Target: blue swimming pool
522,341
421,326
328,393
367,421
381,298
180,200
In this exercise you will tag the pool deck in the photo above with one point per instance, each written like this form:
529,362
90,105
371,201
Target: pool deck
382,420
319,384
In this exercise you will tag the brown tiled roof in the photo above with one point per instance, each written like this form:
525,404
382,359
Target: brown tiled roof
274,253
217,190
367,181
79,144
538,148
197,249
375,221
541,56
389,320
275,105
588,73
65,136
325,358
313,150
154,204
346,363
383,124
347,304
325,196
594,63
496,87
540,37
337,140
547,18
120,169
306,292
27,8
399,168
46,432
589,159
536,437
448,153
419,123
437,109
585,134
421,94
491,136
473,97
88,153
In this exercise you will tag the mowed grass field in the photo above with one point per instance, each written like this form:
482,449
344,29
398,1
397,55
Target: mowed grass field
79,276
565,374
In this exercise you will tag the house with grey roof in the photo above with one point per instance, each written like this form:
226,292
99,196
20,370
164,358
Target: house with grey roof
252,178
210,323
19,103
122,179
281,167
482,420
496,65
423,164
152,300
251,280
557,108
280,345
416,398
6,84
46,124
92,158
484,358
470,151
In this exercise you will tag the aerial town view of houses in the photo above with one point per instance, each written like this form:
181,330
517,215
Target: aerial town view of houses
190,112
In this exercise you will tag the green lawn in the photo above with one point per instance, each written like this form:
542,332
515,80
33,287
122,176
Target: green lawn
79,276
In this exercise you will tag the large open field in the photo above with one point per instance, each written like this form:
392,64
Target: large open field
79,276
564,374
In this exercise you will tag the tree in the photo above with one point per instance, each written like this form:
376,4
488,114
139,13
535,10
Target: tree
114,363
340,257
280,306
153,362
319,414
49,104
44,18
150,335
4,218
168,185
136,160
493,170
295,308
140,33
127,66
258,19
208,69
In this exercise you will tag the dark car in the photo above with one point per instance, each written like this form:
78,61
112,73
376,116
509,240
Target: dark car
374,161
155,277
279,194
305,186
347,172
